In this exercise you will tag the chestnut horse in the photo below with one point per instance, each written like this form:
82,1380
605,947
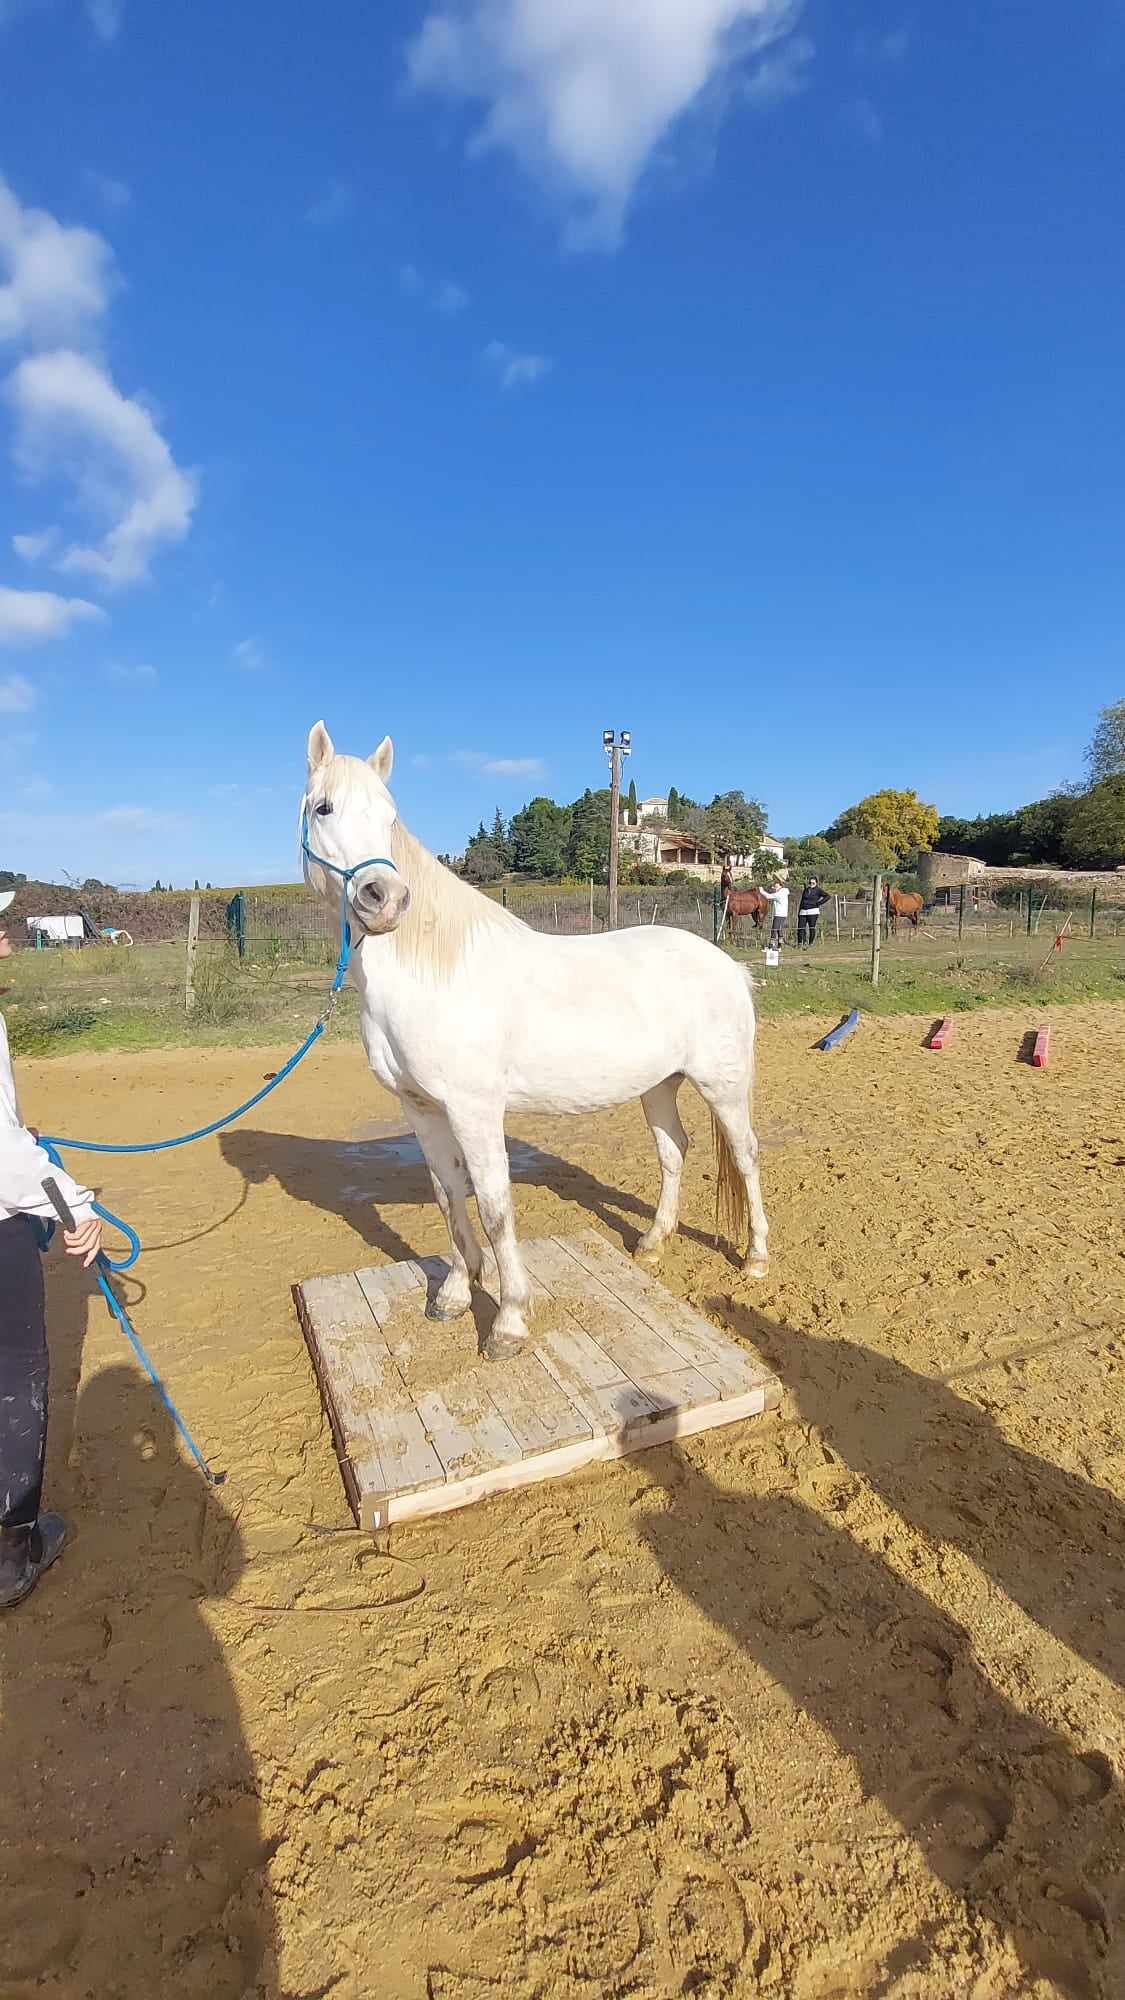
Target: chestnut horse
902,903
744,903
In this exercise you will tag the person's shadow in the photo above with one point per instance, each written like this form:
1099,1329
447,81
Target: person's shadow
132,1862
1055,1543
1022,1827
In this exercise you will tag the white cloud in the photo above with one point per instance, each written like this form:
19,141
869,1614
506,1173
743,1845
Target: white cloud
516,371
17,696
782,73
334,205
35,788
134,819
113,194
27,617
442,295
105,17
581,92
866,120
55,278
249,654
138,676
68,408
498,767
32,548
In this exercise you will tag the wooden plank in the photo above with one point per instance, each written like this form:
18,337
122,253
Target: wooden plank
637,1347
337,1305
357,1453
696,1341
468,1436
608,1408
664,1427
681,1389
540,1417
384,1286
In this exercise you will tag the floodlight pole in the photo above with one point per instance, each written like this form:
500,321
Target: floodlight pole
616,746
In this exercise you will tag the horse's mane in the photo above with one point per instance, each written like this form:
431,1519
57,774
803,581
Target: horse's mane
445,913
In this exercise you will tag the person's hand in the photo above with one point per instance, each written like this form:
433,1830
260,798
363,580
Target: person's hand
85,1241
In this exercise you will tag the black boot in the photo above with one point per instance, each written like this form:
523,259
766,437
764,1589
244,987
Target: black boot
25,1553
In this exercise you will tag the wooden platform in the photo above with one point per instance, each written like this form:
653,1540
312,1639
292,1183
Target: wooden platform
422,1424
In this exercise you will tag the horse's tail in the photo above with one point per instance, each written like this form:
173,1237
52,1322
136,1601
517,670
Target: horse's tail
732,1210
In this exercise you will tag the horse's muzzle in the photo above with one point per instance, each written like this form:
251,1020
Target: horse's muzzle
379,903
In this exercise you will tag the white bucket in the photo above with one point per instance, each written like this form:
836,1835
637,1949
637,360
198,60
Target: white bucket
771,955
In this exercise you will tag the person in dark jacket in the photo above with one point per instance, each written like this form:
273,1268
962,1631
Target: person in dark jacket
812,899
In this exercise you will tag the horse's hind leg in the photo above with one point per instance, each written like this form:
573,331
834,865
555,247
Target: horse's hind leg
665,1124
729,1103
451,1186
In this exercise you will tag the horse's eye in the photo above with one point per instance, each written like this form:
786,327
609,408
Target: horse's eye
324,808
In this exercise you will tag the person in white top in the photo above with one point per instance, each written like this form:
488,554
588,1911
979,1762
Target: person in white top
29,1540
778,899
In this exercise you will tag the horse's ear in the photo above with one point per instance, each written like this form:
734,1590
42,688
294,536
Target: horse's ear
382,760
320,747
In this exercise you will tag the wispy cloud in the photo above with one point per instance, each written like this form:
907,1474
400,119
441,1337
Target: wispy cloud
57,277
28,617
498,767
17,696
581,93
113,194
889,49
249,655
105,17
865,119
134,676
33,548
442,295
516,371
334,205
68,411
782,73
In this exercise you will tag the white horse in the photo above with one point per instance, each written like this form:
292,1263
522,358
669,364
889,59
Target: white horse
467,1014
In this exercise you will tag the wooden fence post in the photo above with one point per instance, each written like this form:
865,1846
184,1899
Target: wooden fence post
876,915
961,913
1093,906
1030,898
192,941
836,914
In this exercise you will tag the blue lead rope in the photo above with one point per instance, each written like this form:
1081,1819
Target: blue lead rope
105,1264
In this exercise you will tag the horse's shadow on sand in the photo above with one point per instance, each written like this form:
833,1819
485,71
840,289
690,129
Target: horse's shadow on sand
360,1179
1024,1824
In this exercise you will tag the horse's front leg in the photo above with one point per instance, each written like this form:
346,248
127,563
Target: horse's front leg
479,1134
446,1163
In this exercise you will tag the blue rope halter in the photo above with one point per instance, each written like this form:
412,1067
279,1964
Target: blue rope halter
51,1142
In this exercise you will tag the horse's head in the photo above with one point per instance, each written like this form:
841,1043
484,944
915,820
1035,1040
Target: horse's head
347,819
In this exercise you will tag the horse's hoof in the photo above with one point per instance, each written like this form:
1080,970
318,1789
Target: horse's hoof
505,1346
649,1259
756,1267
455,1309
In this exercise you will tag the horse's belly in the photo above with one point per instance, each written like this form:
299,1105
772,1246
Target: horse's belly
588,1069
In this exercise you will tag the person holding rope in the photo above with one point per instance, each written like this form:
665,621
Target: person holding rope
29,1540
777,896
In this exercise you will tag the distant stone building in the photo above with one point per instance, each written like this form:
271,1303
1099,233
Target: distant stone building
654,841
942,876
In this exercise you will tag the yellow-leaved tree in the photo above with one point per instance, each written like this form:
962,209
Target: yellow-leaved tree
895,823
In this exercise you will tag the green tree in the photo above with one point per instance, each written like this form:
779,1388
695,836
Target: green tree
673,807
894,823
632,814
811,856
1105,757
587,847
482,863
538,836
858,853
1095,831
501,839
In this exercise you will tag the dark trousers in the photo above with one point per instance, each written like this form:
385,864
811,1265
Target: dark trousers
23,1373
806,926
777,932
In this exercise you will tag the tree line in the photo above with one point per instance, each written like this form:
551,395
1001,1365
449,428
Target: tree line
553,842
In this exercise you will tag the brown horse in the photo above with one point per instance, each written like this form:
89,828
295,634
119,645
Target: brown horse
902,903
744,903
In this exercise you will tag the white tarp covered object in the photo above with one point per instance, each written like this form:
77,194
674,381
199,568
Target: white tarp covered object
60,930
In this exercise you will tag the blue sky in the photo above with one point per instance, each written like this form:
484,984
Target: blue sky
489,372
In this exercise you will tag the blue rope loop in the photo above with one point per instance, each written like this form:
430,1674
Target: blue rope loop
51,1143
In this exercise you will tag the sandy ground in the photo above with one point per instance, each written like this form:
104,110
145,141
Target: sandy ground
821,1706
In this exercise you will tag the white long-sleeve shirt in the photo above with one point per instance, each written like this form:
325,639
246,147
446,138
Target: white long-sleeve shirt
23,1164
780,900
